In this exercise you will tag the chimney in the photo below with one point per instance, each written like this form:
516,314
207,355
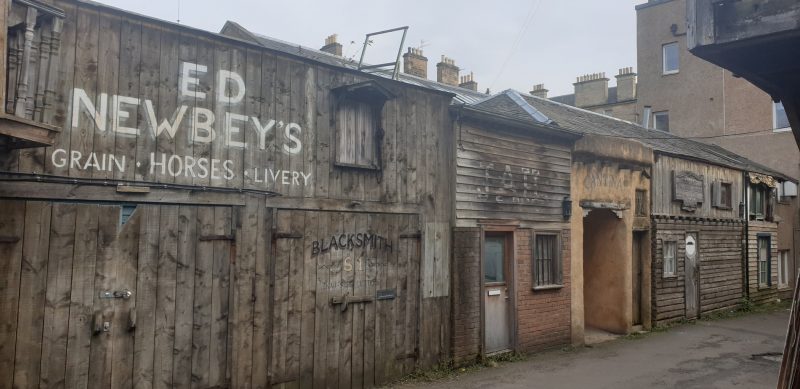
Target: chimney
591,89
447,72
468,82
626,84
414,63
539,91
331,46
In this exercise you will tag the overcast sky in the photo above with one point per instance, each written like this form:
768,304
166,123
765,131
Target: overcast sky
505,43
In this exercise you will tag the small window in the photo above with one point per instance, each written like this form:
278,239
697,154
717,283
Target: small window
358,118
670,249
641,202
780,122
783,269
661,120
494,259
722,194
764,266
761,207
670,58
546,260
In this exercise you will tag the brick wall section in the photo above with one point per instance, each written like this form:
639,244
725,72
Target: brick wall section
762,294
466,310
543,316
720,266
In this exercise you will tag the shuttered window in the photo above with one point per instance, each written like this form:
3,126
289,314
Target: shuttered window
358,135
764,266
546,260
670,264
722,195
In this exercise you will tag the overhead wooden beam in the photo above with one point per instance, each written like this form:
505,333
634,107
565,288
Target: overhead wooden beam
24,132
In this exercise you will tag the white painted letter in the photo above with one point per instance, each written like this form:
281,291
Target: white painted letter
59,161
205,125
287,131
230,128
119,115
155,128
223,78
262,131
79,96
189,71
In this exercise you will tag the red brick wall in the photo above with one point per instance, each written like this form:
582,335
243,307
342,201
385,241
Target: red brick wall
466,276
543,316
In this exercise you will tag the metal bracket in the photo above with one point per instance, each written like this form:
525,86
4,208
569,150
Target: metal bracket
345,300
117,294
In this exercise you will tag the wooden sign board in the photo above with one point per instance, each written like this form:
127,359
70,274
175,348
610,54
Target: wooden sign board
689,189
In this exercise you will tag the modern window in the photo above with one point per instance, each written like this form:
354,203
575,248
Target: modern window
780,122
764,266
671,59
546,260
783,268
722,194
670,263
661,120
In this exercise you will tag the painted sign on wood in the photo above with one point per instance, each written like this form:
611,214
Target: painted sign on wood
688,188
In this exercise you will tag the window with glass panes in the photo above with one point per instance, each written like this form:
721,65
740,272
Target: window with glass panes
764,277
546,260
670,263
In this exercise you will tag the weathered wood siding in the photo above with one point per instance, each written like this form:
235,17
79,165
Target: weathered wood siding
719,263
506,175
662,200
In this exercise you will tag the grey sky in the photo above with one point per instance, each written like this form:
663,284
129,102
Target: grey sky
560,40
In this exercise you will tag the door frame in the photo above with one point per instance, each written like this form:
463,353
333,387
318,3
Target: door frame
511,282
696,236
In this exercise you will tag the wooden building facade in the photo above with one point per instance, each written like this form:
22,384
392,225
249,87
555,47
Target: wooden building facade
213,213
511,252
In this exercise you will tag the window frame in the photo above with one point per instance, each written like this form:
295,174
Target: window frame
655,116
664,70
558,269
766,261
783,269
373,95
775,127
718,199
757,202
674,272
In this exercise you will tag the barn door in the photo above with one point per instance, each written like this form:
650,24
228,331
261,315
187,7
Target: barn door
345,299
114,296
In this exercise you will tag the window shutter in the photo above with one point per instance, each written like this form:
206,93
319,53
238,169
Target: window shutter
770,205
716,194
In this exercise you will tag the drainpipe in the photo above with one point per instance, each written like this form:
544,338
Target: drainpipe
746,241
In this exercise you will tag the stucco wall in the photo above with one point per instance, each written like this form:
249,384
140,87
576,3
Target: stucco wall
607,272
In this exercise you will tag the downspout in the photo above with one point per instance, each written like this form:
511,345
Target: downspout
746,240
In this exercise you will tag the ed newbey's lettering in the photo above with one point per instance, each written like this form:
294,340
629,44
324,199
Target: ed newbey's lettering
117,114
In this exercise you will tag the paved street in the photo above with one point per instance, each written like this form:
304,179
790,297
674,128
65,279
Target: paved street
716,354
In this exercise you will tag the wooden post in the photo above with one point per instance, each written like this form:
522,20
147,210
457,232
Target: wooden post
4,5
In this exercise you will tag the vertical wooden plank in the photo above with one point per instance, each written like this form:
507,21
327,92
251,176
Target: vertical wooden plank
308,121
84,277
235,110
222,61
184,296
12,224
201,334
106,226
252,107
294,299
220,287
62,69
265,158
33,284
108,55
168,111
82,137
322,310
167,268
282,96
126,253
202,148
130,62
280,327
262,298
244,293
324,131
146,297
360,265
401,246
334,323
187,52
59,280
345,319
149,74
308,299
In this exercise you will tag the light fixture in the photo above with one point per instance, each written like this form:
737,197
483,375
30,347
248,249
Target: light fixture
566,207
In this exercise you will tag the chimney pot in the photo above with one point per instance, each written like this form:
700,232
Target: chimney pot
539,91
415,63
591,89
447,72
332,46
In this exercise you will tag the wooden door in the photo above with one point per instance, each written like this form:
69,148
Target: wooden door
636,277
345,298
496,293
114,296
692,277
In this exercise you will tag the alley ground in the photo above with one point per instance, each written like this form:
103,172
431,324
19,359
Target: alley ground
730,353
